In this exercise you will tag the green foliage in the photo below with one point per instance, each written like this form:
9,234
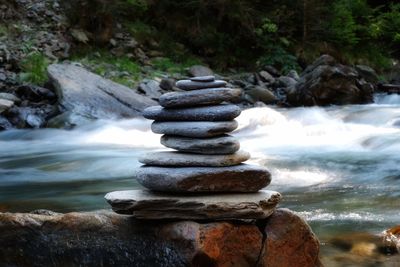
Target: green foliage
3,30
33,68
168,65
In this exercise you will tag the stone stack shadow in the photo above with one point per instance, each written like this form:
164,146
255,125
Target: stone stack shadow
203,176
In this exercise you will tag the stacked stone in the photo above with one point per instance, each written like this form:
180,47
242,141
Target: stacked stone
196,123
205,159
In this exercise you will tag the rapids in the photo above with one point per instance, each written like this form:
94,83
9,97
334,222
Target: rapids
336,166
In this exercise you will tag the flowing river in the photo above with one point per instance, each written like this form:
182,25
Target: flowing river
338,167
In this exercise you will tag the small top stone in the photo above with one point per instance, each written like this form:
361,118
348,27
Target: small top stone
209,78
194,85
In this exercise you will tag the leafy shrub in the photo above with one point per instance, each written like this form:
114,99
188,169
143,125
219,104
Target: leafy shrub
33,68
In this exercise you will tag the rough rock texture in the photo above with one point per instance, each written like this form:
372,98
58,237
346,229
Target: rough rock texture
206,113
290,241
201,129
107,239
225,144
240,178
193,85
149,205
178,159
89,95
326,82
205,78
199,97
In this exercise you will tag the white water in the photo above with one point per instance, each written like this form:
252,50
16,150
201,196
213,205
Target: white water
336,166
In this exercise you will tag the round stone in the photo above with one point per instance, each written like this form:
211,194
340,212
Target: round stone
199,97
239,178
206,113
211,146
200,129
179,159
209,78
194,85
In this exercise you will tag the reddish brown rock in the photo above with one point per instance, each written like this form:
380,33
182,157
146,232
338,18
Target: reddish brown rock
104,238
290,241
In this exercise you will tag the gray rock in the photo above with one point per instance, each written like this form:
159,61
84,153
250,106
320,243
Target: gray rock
199,97
210,146
239,178
367,73
89,95
148,205
201,129
5,105
272,70
190,85
151,89
287,81
209,78
167,84
266,77
258,93
293,74
206,113
179,159
5,124
68,120
198,70
10,97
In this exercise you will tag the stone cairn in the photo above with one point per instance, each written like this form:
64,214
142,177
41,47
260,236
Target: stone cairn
204,176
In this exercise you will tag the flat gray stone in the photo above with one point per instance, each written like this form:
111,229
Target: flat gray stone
239,178
199,97
210,146
143,204
192,85
206,113
89,95
179,159
200,129
208,78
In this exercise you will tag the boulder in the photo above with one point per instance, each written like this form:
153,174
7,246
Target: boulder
107,239
326,82
198,70
367,73
266,77
259,93
151,89
5,104
302,249
85,93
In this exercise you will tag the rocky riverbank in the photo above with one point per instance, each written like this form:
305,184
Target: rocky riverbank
45,238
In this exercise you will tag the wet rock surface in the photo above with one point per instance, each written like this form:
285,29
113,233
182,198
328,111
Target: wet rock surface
224,144
103,238
198,129
179,159
199,97
239,178
206,113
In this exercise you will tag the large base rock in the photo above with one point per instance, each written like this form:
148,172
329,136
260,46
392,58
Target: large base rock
107,239
148,205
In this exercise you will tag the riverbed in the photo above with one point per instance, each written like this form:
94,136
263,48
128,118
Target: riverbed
338,167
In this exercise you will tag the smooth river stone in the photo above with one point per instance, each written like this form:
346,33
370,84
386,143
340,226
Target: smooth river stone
144,204
239,178
179,159
193,85
199,97
210,146
200,129
209,78
206,113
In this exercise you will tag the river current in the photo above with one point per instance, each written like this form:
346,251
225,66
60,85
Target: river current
338,167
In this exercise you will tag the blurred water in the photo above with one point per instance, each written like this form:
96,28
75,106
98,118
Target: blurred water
337,166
